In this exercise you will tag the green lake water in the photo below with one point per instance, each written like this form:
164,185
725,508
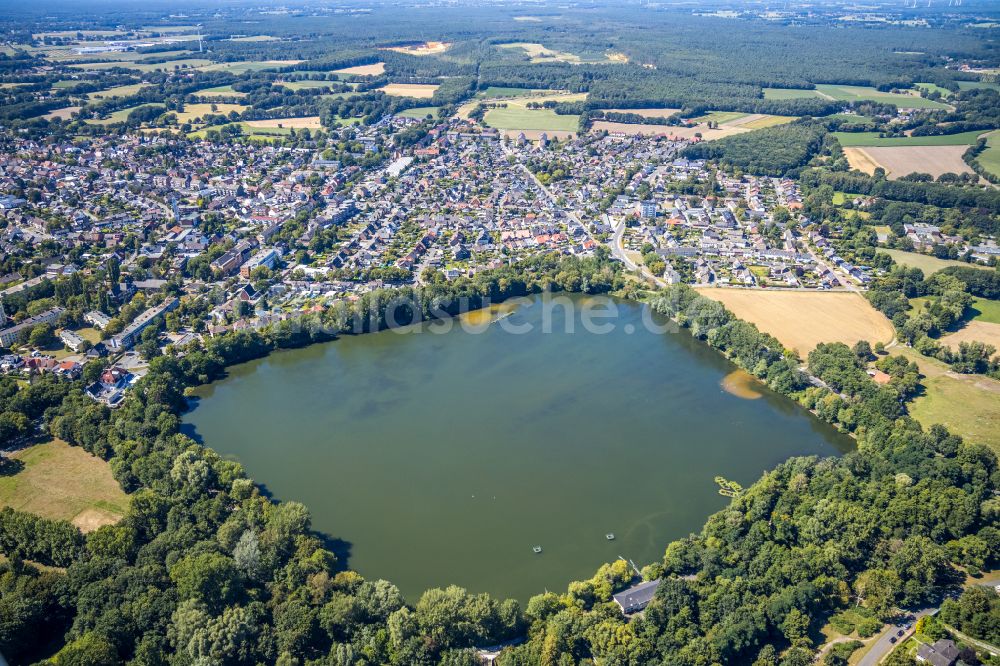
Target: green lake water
444,458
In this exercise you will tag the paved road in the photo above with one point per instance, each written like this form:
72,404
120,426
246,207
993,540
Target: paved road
884,644
847,283
618,251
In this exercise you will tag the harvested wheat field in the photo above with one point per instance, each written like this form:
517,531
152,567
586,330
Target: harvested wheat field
802,319
418,90
363,70
859,159
63,114
306,122
979,331
634,129
899,161
647,113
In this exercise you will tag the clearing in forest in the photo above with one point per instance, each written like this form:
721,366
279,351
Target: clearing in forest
802,319
62,482
375,69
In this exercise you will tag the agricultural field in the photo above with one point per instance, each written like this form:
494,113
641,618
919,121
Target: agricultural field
859,93
933,87
64,482
515,118
494,92
306,122
900,161
720,117
803,319
170,65
425,49
636,129
375,69
117,91
765,121
790,93
420,112
647,113
417,90
968,405
989,159
192,111
970,85
247,66
220,91
872,139
975,330
121,115
64,113
303,85
925,262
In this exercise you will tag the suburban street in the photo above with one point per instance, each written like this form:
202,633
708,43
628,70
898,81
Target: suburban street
884,643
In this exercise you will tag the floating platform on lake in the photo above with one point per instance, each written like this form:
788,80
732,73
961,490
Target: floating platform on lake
537,549
728,488
610,536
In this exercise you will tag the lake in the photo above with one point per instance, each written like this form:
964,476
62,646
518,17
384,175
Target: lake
445,458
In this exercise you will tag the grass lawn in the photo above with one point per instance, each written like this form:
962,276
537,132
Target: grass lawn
932,87
220,91
65,482
513,118
857,93
969,405
925,262
984,309
970,85
790,93
302,85
989,159
872,139
90,334
121,115
420,112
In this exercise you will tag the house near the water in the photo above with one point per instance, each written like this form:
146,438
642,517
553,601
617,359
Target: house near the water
637,597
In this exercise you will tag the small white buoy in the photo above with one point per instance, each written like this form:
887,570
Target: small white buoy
537,549
610,536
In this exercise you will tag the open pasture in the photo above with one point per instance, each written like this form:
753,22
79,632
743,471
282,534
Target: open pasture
989,159
193,111
64,482
420,112
791,93
844,93
417,90
872,139
499,92
802,319
925,262
117,91
220,91
247,66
